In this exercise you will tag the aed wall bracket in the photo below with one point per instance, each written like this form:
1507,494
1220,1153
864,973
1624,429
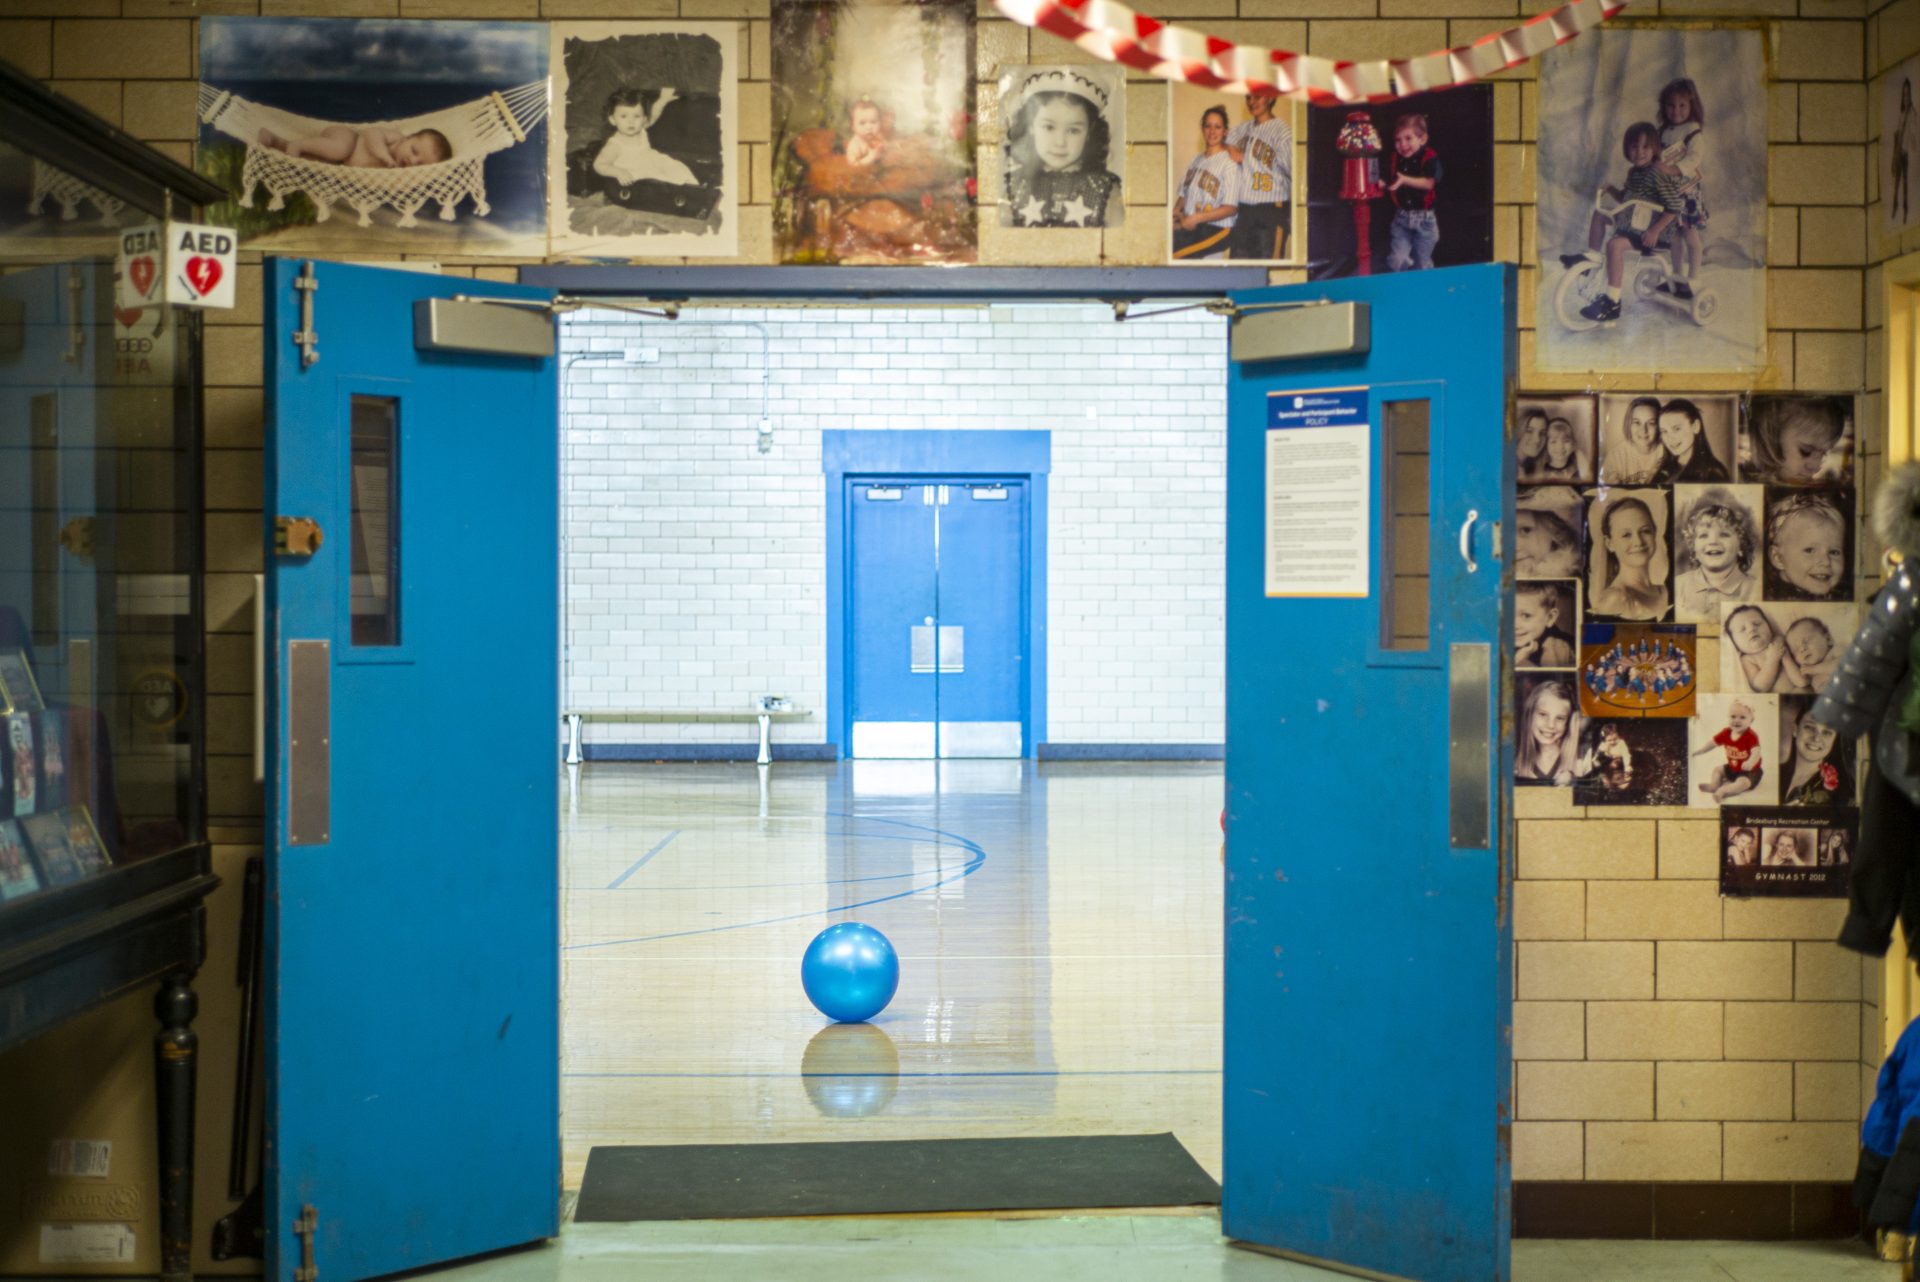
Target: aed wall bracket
1300,331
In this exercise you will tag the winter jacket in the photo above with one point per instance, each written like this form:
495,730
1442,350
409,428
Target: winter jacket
1868,694
1886,1184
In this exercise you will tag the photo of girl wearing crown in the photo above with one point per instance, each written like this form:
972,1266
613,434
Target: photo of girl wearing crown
1064,128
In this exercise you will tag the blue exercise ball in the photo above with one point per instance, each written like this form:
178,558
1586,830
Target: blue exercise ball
850,971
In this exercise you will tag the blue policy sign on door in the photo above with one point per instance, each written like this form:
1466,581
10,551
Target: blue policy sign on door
1323,407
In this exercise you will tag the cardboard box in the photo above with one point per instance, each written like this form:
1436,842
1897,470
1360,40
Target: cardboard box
79,1163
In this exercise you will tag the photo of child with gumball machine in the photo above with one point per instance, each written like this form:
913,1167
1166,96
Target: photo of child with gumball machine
1401,186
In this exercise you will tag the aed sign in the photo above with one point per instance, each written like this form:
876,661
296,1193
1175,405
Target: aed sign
185,264
200,265
138,266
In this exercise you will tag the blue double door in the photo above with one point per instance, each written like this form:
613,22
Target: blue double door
937,622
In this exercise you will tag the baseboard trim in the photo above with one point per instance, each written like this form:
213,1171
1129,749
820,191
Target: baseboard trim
707,751
1131,752
1757,1212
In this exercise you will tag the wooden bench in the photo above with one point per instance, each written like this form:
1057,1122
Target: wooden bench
764,713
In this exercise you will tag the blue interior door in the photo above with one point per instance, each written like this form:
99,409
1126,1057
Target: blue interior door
1368,938
412,924
892,604
980,635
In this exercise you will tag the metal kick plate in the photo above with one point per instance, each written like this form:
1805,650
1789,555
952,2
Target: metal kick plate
1469,744
953,648
309,743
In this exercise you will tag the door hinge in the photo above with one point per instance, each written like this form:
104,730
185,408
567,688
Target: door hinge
303,1229
296,536
306,338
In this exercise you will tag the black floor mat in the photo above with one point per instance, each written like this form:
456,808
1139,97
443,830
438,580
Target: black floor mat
880,1177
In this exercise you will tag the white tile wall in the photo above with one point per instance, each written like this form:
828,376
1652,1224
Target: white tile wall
696,566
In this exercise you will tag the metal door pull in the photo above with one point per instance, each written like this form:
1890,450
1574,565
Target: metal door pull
1466,539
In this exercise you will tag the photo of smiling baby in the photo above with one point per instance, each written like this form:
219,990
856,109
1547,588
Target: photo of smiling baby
1809,536
1065,136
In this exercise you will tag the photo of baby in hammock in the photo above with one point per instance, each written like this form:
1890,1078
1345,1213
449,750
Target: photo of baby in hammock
374,147
376,137
643,141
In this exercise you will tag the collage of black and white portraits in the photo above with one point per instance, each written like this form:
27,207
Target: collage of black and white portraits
1647,525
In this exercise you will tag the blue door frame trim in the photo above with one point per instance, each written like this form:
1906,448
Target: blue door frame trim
907,453
843,284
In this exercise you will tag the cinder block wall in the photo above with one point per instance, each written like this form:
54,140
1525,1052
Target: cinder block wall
1662,1034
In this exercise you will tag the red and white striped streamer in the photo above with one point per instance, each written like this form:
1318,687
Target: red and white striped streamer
1111,31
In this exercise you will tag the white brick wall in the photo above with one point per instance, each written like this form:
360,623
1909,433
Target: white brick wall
696,567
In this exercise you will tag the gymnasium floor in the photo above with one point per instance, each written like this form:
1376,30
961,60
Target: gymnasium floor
1059,933
1058,930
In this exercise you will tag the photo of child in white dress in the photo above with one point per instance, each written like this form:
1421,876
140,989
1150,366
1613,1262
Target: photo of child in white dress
1065,134
643,159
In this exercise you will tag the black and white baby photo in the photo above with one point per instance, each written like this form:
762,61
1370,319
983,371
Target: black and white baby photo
1783,647
643,155
1809,544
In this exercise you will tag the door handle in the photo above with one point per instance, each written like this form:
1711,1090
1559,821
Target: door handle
1466,539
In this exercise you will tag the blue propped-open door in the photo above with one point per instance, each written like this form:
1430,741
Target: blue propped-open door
1368,936
412,923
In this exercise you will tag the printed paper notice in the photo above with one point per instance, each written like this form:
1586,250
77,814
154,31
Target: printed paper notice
1318,509
86,1243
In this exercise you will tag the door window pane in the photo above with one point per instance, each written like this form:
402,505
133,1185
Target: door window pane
1404,514
375,521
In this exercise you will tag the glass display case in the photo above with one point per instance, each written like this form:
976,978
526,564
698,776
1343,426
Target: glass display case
103,854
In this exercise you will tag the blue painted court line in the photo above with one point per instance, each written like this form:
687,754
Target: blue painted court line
1014,1072
972,865
640,863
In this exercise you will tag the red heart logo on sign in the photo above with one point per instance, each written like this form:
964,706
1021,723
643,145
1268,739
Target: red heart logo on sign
203,274
141,271
128,318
